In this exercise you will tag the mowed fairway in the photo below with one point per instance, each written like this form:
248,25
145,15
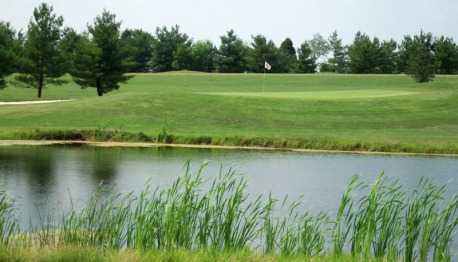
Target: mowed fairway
318,95
367,112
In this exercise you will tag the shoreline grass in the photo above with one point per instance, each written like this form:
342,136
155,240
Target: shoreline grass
77,254
323,143
377,221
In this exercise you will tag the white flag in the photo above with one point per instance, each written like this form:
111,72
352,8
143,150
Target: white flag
267,66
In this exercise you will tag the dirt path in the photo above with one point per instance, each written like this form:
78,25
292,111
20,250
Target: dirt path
139,144
33,102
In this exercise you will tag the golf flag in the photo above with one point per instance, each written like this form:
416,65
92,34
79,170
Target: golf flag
267,66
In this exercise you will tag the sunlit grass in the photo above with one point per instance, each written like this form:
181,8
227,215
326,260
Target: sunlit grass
318,95
323,111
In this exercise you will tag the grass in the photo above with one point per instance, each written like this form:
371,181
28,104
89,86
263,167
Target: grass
77,254
322,111
197,219
318,95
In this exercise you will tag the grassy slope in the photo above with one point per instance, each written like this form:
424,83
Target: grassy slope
424,118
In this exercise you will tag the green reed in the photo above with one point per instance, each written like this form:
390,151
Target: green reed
373,221
8,225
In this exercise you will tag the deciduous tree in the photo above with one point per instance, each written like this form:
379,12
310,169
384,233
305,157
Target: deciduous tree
306,61
319,46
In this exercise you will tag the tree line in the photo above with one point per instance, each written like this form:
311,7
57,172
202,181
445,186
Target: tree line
101,56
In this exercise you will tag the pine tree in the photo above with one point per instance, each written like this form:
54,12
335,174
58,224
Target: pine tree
8,57
446,53
288,55
421,62
43,61
338,60
100,60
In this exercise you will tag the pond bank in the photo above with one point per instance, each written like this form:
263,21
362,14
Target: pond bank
257,148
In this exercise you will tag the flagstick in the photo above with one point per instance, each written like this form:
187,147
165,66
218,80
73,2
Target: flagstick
263,80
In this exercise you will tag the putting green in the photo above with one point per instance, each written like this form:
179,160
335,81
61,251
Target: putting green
318,95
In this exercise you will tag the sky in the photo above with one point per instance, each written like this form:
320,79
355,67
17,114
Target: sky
276,19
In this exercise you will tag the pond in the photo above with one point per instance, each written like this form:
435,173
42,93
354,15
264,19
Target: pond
48,179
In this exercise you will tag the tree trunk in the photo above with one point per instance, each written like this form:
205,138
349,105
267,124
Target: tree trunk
40,85
99,88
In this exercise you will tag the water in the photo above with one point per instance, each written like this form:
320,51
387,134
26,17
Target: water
45,180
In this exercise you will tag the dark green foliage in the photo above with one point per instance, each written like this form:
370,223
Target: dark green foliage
338,62
42,59
306,62
232,54
388,57
446,53
8,57
288,55
100,61
372,56
420,57
203,56
182,58
171,49
68,46
363,54
138,48
327,68
263,51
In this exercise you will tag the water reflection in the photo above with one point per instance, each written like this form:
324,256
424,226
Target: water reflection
43,178
103,165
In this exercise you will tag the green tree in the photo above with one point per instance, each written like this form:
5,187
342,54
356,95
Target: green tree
42,59
364,54
262,51
203,56
421,61
288,55
100,61
338,61
446,53
319,46
165,47
182,58
138,48
387,58
8,56
306,61
232,54
68,46
405,50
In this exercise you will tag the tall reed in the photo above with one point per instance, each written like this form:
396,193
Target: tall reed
8,224
373,221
